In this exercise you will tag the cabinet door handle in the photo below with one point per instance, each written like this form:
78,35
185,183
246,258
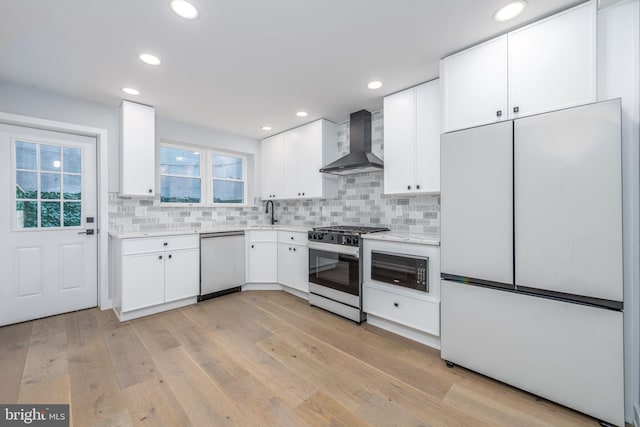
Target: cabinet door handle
395,304
289,248
294,249
159,256
251,246
170,256
150,190
298,194
417,187
291,237
303,194
499,113
516,109
408,187
165,244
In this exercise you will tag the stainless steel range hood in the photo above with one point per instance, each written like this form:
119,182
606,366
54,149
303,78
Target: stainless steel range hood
360,158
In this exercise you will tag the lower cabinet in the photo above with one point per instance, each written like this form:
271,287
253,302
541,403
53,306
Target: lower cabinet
262,256
154,274
293,266
410,309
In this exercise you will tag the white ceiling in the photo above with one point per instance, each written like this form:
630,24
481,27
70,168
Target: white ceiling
242,63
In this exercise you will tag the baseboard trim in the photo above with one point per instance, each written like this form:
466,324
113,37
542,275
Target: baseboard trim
147,311
405,331
261,287
296,292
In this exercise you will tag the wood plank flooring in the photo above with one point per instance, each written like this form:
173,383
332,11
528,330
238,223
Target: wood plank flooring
251,359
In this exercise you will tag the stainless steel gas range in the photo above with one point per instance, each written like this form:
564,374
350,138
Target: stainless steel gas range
335,269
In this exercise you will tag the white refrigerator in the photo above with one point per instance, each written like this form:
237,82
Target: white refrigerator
531,255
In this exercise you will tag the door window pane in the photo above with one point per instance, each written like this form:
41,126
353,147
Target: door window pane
72,187
227,167
174,161
72,214
50,158
41,183
26,214
228,191
26,155
180,190
26,185
50,214
50,186
72,160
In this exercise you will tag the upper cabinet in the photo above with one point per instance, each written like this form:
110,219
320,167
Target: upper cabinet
273,167
412,140
545,66
137,149
291,162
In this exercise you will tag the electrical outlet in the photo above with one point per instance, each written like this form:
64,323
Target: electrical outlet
399,210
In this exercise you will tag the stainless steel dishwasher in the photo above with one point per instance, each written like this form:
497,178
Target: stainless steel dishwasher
221,263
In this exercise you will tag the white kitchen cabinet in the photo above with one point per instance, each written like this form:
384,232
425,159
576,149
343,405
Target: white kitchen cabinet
293,260
142,281
181,274
408,312
301,153
474,86
293,266
273,167
412,140
154,274
545,66
262,256
137,149
552,62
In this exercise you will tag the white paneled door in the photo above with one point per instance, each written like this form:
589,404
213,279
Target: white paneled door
48,226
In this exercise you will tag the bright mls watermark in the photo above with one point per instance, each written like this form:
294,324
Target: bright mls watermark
34,415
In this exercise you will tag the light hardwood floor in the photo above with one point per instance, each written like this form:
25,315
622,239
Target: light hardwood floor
251,359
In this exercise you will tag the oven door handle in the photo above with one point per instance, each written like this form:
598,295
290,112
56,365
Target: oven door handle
333,248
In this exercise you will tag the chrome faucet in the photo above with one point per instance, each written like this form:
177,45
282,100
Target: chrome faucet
266,210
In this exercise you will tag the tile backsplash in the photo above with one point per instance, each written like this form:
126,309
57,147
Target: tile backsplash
360,201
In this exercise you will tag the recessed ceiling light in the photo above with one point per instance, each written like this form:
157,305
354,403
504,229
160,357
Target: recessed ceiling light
184,8
266,128
374,85
147,58
302,114
510,10
130,91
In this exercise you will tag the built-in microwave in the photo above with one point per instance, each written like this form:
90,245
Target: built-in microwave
401,270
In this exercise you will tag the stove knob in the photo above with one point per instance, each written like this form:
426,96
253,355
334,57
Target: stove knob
347,240
354,241
330,237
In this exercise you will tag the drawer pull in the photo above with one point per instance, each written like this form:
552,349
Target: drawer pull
291,237
165,244
395,304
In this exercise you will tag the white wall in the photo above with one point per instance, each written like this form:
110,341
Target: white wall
48,105
618,76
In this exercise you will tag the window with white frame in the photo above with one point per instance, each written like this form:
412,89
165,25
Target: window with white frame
229,178
201,176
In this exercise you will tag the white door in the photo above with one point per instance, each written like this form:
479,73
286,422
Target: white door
427,157
474,86
568,201
399,142
552,63
477,203
182,273
49,262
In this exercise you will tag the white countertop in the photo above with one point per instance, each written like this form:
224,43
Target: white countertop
396,236
221,229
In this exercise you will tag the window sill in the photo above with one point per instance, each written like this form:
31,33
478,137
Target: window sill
205,205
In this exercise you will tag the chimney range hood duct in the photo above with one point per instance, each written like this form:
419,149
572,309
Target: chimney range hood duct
360,158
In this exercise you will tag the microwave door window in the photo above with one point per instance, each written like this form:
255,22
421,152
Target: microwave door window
392,272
